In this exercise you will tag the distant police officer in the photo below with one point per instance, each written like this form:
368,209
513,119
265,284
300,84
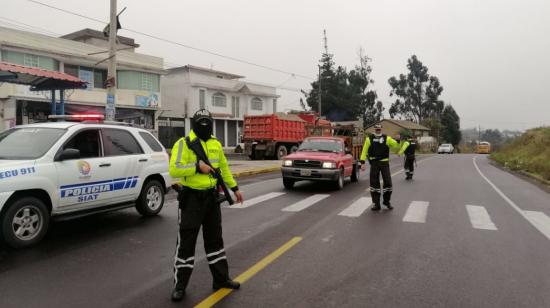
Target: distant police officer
410,158
199,205
377,151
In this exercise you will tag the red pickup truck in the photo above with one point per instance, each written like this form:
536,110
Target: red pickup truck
321,159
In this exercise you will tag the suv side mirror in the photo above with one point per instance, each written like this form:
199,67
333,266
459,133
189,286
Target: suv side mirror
347,150
68,154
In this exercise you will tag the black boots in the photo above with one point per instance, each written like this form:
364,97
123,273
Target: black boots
375,207
229,284
388,205
177,295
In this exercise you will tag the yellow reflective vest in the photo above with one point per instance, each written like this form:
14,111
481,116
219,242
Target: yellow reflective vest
394,146
183,164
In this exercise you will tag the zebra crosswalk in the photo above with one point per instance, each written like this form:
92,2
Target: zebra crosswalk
416,212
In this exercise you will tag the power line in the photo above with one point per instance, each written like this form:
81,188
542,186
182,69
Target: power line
176,43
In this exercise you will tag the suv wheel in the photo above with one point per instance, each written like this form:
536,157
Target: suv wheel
355,173
25,222
151,199
288,183
339,184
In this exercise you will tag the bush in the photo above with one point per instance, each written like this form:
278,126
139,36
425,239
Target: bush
530,152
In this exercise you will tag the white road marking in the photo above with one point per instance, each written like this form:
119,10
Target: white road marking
479,217
535,222
540,221
256,200
417,212
357,208
304,204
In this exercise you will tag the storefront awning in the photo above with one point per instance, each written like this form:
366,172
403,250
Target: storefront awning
38,79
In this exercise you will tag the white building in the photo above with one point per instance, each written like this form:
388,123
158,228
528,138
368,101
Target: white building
189,88
80,54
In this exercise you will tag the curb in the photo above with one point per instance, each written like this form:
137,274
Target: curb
256,171
247,172
523,174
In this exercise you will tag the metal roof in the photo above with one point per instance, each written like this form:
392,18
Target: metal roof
39,79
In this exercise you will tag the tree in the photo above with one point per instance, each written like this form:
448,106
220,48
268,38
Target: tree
346,96
493,136
417,93
450,122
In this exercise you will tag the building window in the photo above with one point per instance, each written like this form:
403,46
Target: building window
256,104
218,99
202,99
71,70
147,81
31,60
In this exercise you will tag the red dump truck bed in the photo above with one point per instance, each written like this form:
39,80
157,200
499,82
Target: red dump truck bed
274,127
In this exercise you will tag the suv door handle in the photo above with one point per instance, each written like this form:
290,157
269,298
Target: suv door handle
142,160
105,165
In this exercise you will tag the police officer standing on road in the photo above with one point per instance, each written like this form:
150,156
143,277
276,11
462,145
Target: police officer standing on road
377,150
410,158
199,205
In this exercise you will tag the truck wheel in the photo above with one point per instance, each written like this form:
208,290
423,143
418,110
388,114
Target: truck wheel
293,149
25,222
151,199
339,184
355,173
259,154
288,183
281,152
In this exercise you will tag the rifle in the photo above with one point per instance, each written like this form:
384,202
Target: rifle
196,147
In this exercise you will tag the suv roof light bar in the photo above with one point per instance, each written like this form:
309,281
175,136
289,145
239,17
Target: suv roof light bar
77,117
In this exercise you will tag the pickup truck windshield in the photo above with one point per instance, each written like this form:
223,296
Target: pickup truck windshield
331,146
28,143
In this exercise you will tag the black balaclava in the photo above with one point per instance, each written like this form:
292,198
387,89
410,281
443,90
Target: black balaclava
202,124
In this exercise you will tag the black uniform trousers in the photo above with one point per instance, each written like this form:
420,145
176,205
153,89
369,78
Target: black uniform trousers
377,167
409,164
199,208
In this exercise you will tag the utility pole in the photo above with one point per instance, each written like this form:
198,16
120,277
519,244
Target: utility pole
111,72
320,92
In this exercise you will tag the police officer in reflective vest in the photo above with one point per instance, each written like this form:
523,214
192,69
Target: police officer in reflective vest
199,205
377,150
410,159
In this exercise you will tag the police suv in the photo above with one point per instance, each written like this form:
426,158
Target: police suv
70,169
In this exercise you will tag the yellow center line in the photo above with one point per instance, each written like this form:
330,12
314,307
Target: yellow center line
221,293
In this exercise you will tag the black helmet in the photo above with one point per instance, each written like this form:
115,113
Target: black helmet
201,114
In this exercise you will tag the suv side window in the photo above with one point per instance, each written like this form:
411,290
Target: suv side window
151,142
87,142
119,142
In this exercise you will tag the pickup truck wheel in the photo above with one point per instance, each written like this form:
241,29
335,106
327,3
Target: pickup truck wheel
281,152
355,173
25,222
293,149
151,199
288,183
339,184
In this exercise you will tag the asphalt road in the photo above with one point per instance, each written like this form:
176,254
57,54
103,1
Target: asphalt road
463,234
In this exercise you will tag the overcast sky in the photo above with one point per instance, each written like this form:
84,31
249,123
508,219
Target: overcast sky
491,56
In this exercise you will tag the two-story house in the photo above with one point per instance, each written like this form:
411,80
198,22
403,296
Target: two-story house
189,88
80,54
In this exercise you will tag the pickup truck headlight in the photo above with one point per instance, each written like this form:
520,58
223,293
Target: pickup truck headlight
287,163
329,165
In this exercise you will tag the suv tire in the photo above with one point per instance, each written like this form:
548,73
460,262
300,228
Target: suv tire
151,198
288,183
25,222
339,183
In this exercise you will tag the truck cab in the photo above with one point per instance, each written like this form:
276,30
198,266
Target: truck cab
320,159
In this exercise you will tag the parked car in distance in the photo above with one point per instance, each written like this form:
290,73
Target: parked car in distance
445,148
320,159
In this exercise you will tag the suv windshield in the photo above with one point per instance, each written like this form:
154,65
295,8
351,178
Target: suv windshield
28,142
321,146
